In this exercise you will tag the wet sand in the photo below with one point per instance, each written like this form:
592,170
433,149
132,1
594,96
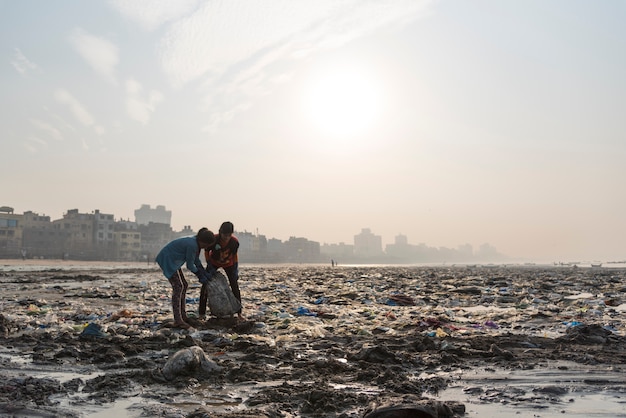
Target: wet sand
317,341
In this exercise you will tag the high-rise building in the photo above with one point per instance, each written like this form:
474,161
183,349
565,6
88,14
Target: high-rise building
145,214
366,244
400,249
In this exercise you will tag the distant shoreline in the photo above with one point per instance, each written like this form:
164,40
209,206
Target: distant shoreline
39,264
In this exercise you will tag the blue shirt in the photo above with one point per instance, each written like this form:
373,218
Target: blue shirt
178,252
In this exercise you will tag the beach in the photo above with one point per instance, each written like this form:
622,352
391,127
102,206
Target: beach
94,339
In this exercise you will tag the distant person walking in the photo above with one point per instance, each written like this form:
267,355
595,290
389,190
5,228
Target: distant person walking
222,254
172,257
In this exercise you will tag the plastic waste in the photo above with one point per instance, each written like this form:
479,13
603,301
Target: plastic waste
93,330
221,301
302,311
187,362
440,333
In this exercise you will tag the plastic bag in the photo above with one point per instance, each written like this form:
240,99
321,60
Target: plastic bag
221,301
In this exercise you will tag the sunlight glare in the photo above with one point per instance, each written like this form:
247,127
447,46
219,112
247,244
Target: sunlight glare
343,104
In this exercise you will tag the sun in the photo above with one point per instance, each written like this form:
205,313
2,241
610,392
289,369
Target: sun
342,104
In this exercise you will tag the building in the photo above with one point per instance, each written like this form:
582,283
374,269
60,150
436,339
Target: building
253,248
127,243
154,237
185,232
274,246
301,250
40,239
34,220
465,252
366,244
251,243
274,252
104,228
401,249
78,231
145,214
10,233
338,252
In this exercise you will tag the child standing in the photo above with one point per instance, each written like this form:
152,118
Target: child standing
223,253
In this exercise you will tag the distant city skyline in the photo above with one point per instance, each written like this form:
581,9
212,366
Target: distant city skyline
160,214
97,235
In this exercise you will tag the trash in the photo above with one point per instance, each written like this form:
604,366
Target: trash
491,324
402,300
497,351
300,318
34,310
302,311
429,409
391,316
93,330
587,334
469,290
321,300
440,333
124,313
221,301
189,361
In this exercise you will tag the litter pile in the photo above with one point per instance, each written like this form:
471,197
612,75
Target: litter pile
317,341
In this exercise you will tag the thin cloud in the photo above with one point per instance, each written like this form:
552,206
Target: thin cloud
22,64
30,147
236,93
34,144
281,78
60,121
150,14
102,55
240,42
218,118
222,34
76,108
99,130
140,108
47,128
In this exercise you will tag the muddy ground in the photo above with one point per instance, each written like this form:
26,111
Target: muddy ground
317,341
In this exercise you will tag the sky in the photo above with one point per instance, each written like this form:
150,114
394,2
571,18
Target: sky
449,122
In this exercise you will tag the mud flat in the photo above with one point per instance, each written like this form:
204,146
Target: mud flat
93,339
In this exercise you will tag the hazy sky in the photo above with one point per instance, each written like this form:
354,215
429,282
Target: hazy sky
450,122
